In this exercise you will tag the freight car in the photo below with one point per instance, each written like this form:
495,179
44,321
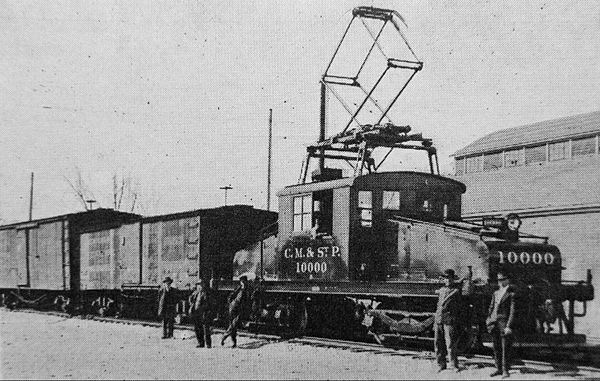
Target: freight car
121,267
107,262
39,259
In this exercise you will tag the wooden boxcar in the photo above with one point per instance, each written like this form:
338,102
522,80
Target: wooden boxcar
182,246
122,266
41,257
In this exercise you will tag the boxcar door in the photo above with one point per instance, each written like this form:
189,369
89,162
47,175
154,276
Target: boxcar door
22,258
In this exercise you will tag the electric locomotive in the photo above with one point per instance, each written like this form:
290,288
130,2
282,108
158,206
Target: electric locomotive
362,254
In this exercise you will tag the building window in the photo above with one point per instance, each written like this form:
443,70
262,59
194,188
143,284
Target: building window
513,158
492,161
459,166
474,164
391,200
535,154
302,213
365,207
582,147
558,151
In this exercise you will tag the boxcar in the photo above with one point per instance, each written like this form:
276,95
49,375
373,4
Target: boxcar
40,258
121,266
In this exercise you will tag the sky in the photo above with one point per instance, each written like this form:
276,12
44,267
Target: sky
176,94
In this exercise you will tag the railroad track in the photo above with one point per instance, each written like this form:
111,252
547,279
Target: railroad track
565,367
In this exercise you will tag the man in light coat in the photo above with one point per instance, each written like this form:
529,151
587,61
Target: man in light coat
501,314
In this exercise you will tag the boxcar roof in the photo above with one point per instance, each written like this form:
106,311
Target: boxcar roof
208,212
96,213
349,181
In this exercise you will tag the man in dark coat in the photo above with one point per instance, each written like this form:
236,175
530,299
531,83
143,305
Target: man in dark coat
201,313
447,318
500,324
238,304
167,301
257,299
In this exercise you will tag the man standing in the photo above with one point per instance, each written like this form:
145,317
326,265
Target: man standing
447,318
256,298
167,301
500,322
238,303
200,311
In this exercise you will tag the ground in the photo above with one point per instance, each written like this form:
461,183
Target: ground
35,346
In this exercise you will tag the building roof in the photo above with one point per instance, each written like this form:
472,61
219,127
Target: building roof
540,132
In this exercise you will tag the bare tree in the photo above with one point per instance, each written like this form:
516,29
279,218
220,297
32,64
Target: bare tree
124,190
80,188
125,195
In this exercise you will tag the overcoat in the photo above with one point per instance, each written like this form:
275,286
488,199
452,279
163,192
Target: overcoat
451,302
167,300
201,305
238,302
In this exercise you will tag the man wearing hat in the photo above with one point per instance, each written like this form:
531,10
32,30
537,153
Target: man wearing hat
238,304
500,323
447,318
167,301
200,311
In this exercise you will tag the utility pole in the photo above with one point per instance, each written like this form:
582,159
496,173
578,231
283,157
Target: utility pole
31,199
226,188
269,159
322,124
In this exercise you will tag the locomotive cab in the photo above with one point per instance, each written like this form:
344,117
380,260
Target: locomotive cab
338,230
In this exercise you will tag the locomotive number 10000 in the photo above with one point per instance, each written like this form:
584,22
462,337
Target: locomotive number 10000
526,258
311,267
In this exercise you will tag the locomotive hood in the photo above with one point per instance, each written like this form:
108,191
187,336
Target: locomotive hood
429,248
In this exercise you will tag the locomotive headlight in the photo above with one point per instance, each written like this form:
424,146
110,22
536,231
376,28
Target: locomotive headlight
513,222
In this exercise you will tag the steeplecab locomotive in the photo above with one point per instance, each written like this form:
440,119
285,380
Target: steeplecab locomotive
362,254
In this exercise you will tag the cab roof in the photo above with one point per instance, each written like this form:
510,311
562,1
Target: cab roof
350,181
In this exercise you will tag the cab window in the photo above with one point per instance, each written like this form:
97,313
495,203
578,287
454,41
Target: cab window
302,213
391,200
365,207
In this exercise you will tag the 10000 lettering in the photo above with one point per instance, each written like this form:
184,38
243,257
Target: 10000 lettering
526,258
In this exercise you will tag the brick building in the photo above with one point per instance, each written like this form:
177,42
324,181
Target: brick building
549,173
